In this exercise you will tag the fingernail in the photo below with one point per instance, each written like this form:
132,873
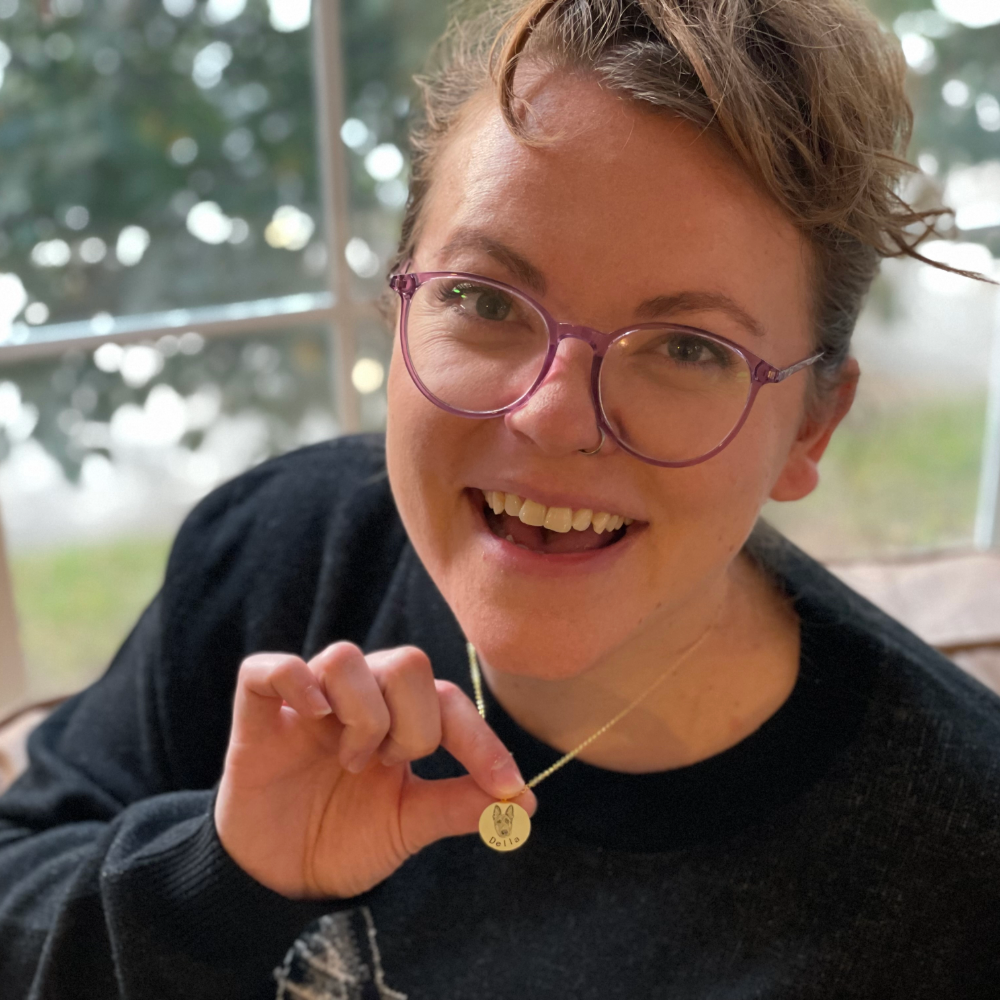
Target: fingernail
506,777
317,702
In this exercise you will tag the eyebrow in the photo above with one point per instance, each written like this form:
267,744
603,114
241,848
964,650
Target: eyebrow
520,267
692,301
469,238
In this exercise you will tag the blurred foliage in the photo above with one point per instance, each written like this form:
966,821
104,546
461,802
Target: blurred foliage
97,93
283,377
90,108
94,102
70,627
952,134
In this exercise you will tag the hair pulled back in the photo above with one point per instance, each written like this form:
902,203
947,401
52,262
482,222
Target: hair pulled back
808,94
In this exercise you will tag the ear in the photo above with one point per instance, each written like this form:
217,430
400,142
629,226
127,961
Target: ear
800,474
496,812
510,812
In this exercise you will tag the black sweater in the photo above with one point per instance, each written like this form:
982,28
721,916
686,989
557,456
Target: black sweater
848,848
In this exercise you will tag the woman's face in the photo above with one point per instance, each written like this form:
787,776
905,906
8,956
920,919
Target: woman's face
619,207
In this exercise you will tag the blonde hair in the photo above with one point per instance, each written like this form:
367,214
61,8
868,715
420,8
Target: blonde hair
808,94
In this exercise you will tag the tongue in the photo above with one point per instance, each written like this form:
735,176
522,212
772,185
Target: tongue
544,540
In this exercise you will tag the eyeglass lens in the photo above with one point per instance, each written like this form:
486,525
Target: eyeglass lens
670,394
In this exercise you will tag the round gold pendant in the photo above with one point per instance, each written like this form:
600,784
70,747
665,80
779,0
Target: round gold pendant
504,826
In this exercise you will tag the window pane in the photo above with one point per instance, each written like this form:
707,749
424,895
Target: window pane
902,472
155,155
103,453
385,44
374,350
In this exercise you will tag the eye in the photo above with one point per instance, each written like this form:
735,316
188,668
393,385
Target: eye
688,349
489,303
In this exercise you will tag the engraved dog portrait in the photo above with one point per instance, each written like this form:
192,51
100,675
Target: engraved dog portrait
503,821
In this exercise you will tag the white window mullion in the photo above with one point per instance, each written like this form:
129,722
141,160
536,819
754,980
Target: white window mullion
329,82
234,318
987,530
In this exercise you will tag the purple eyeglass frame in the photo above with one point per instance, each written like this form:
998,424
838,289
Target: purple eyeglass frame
761,372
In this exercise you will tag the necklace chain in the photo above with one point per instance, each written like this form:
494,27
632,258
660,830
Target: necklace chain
477,687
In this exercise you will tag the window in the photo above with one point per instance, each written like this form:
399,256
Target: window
917,463
197,204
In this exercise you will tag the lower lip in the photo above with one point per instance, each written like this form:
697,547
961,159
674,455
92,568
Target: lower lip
512,557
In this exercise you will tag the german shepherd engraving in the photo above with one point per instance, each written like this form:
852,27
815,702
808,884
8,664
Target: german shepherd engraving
503,821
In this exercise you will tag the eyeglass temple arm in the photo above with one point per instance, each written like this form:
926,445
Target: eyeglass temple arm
780,374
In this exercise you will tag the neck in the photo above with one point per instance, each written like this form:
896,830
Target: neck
735,678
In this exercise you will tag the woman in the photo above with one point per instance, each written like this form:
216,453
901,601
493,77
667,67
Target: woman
636,245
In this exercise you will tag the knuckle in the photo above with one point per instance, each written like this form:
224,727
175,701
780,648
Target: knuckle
255,661
406,663
268,663
286,667
448,692
342,657
341,648
373,722
343,682
427,746
455,702
415,659
336,657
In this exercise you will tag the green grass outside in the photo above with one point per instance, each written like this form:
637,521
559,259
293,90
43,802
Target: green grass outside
894,479
76,605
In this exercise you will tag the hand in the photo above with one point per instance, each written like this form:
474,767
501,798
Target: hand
317,798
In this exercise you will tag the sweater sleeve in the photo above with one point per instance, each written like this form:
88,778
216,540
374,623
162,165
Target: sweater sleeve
113,882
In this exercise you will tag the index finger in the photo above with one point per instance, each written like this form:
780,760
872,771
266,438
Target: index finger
467,737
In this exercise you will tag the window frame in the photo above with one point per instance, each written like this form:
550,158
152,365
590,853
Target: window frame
338,313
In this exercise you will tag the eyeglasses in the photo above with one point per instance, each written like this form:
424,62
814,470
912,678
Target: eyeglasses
668,394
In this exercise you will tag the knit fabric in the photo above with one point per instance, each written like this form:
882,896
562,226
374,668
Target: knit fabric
849,848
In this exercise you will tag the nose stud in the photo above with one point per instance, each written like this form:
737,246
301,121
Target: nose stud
598,448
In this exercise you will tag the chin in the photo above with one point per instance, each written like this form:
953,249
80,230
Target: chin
526,653
514,636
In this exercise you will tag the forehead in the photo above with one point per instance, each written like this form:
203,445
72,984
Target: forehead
615,200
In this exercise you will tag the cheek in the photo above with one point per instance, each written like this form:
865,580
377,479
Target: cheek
742,477
773,428
718,501
424,448
412,423
402,395
407,443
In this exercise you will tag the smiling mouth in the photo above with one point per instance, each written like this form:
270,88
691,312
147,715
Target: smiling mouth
551,530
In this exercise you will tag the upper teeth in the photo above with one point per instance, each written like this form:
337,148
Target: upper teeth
553,518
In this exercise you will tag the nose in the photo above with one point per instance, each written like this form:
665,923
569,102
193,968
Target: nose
560,417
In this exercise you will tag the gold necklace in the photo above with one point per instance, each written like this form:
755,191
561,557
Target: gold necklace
504,825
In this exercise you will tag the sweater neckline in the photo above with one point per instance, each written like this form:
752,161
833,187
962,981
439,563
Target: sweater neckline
746,784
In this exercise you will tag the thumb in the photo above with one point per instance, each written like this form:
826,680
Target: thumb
449,807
